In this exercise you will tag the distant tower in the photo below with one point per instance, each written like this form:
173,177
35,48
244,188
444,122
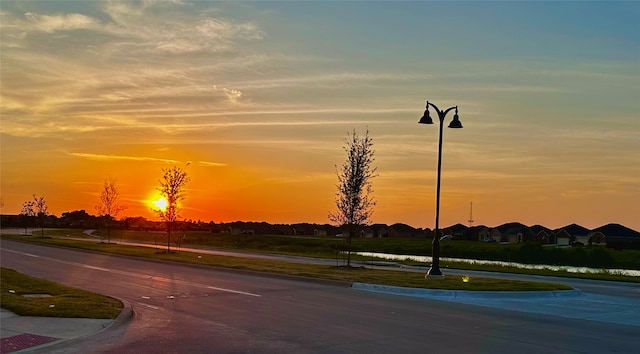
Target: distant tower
471,215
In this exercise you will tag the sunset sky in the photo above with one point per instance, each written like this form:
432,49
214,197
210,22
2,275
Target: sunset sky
259,97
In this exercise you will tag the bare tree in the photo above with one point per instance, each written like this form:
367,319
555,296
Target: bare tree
41,211
27,213
109,206
172,189
354,200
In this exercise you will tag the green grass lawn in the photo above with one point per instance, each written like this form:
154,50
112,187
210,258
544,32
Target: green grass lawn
63,301
326,247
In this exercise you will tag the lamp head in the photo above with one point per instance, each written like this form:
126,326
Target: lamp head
455,123
426,118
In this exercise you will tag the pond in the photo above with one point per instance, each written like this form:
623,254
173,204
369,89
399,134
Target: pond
427,259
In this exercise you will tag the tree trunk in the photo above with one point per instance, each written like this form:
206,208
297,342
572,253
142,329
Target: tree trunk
351,231
168,237
108,228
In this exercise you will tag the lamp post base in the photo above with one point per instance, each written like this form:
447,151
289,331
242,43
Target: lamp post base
434,273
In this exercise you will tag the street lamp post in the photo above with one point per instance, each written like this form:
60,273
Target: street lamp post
455,123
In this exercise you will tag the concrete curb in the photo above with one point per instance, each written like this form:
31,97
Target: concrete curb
125,316
458,294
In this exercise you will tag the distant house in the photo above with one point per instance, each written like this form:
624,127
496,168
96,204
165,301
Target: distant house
514,235
366,232
563,238
380,230
596,238
457,231
403,230
303,229
515,232
484,233
619,237
543,235
574,232
496,234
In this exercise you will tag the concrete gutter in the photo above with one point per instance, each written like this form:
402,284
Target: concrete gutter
464,294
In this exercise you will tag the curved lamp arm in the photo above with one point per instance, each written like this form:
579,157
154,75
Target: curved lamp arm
441,114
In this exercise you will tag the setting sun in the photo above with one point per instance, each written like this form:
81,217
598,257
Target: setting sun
160,204
157,202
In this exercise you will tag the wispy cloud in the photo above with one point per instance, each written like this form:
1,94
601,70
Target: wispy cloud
52,23
111,54
101,157
232,94
210,164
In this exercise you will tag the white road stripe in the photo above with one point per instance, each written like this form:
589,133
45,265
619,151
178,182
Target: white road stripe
147,305
95,268
233,291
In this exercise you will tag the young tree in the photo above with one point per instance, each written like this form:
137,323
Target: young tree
172,189
41,211
109,206
27,213
354,200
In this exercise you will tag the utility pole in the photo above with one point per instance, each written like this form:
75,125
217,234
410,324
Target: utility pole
471,215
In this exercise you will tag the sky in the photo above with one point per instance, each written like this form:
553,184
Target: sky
255,99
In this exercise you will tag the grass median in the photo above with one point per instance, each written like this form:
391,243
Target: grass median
362,275
29,296
323,247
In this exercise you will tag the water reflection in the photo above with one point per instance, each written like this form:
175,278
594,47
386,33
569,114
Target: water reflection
427,259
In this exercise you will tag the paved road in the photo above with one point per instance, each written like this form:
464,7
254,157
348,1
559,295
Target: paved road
187,309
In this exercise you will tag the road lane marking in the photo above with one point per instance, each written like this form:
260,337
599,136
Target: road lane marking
233,291
149,306
95,268
136,275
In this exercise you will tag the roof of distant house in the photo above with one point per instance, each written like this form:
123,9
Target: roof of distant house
574,230
617,230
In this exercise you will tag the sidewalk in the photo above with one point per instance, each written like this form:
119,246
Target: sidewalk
19,333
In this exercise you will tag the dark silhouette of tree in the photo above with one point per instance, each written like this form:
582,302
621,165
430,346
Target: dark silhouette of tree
354,200
41,211
27,213
109,206
172,189
79,219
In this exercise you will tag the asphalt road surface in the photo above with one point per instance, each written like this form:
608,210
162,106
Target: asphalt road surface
192,309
